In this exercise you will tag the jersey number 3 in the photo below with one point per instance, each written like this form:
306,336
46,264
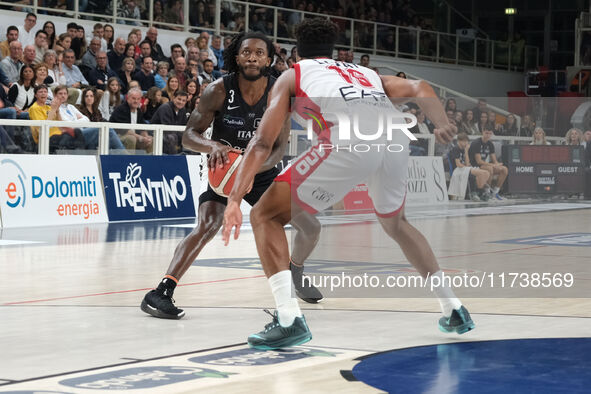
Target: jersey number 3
351,75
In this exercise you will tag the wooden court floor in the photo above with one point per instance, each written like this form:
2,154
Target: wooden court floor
70,320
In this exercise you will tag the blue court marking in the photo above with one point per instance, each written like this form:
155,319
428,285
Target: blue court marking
568,239
558,365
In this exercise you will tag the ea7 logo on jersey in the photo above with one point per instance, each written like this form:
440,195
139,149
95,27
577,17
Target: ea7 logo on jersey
310,161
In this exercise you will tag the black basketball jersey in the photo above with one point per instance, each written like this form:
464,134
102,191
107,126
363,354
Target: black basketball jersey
236,122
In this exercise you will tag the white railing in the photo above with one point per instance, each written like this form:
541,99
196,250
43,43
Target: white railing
359,35
103,140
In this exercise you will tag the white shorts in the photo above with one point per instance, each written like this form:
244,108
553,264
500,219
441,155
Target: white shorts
320,177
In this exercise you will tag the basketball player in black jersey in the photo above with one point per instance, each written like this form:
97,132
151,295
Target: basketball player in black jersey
235,104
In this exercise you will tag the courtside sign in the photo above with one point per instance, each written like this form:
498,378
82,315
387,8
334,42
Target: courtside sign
50,190
147,187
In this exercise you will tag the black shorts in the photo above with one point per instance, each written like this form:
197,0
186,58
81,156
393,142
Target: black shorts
262,181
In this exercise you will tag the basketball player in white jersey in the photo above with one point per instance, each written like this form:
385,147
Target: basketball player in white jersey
330,173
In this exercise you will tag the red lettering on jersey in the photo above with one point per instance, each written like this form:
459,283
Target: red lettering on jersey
353,75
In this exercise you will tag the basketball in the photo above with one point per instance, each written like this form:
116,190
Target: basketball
222,179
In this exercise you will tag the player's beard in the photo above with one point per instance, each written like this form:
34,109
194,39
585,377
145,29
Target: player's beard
252,78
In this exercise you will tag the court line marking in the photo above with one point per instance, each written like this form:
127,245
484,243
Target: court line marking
122,364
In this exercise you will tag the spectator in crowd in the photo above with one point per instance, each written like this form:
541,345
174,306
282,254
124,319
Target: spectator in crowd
193,68
152,38
126,73
364,61
174,14
11,35
98,30
89,58
199,14
190,42
130,50
202,41
11,66
459,158
82,40
341,55
161,75
64,42
422,126
111,97
130,11
99,76
42,78
176,50
109,36
74,77
278,67
527,126
152,103
129,112
193,53
145,51
172,113
180,68
172,85
492,120
481,107
587,138
509,128
401,74
350,56
7,111
573,137
467,125
59,137
144,76
89,105
22,93
451,105
49,29
29,55
76,44
483,122
539,137
54,68
218,52
117,54
69,113
192,89
482,154
26,31
206,75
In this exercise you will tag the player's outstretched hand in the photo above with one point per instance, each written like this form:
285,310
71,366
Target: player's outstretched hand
219,155
232,218
445,134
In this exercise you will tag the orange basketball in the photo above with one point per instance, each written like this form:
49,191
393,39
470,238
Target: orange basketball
222,179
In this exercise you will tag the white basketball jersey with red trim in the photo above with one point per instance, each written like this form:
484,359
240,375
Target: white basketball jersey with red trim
325,87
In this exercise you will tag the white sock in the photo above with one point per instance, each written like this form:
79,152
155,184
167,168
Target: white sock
487,188
287,305
446,296
495,190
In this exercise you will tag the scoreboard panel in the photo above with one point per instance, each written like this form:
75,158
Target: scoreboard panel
544,168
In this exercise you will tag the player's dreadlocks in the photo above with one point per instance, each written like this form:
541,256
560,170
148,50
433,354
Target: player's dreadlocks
231,52
316,37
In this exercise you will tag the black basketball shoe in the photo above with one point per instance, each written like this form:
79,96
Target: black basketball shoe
303,286
159,304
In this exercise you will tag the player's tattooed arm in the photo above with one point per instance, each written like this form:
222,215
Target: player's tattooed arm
211,101
401,90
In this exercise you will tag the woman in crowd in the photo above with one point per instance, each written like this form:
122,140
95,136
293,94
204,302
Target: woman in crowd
509,128
49,28
192,88
64,42
21,92
129,50
126,73
174,14
573,137
54,68
111,97
89,105
109,36
482,122
133,40
172,85
42,78
161,75
451,105
400,74
190,42
83,44
154,100
539,137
